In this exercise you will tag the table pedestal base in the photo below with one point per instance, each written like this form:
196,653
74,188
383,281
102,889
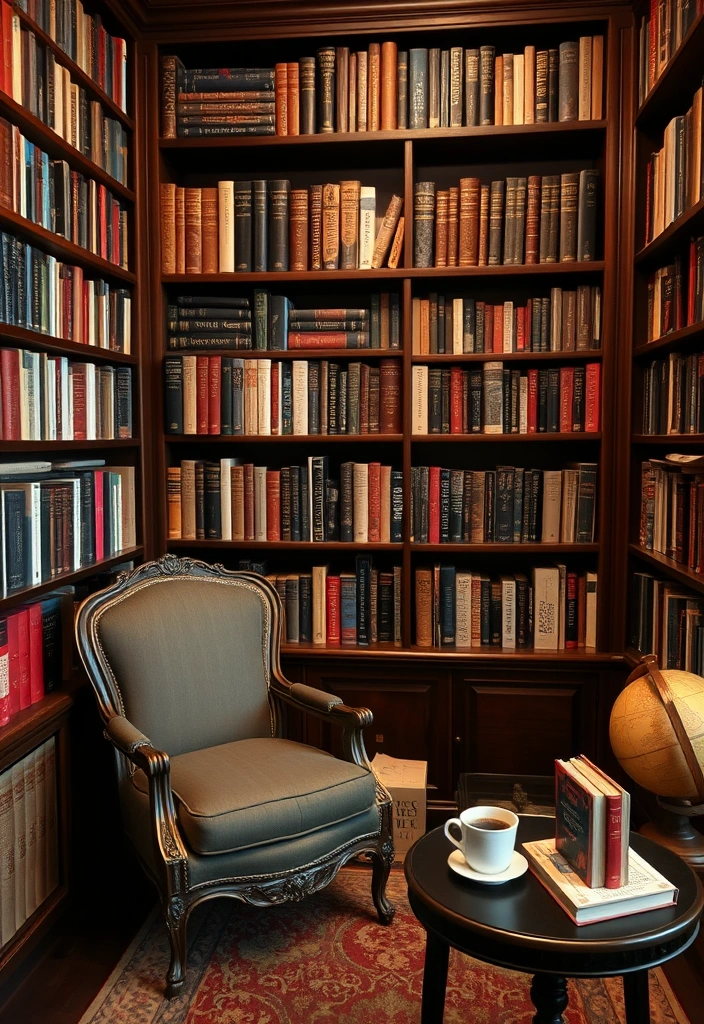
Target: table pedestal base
548,994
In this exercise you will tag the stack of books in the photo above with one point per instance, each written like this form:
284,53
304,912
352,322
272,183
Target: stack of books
217,101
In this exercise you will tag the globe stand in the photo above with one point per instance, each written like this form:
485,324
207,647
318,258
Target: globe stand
672,828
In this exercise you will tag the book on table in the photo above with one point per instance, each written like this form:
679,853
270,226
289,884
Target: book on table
646,889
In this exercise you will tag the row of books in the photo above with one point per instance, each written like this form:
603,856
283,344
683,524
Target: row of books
226,500
31,652
672,511
566,321
660,33
675,173
507,505
676,293
223,395
382,88
553,610
34,78
40,293
667,619
48,193
210,322
673,395
495,399
512,221
59,520
244,226
84,39
49,398
29,840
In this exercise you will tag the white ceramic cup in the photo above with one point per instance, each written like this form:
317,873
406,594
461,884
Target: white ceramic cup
488,851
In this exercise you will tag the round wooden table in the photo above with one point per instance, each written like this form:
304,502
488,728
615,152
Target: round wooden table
519,925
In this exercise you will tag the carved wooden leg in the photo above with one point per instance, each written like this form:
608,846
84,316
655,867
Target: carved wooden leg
437,954
636,997
548,994
382,859
176,920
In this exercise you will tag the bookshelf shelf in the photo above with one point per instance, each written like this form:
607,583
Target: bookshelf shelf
520,270
283,438
680,77
687,338
671,440
24,338
57,446
32,719
678,570
505,438
32,593
284,545
672,237
299,353
504,549
67,252
58,148
509,357
390,652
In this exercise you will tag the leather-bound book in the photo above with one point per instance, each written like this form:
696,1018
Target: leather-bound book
331,227
260,221
352,97
307,85
194,256
587,204
299,229
486,84
453,226
569,189
423,223
315,195
226,227
510,219
293,99
326,89
367,226
418,88
402,89
170,66
445,89
471,87
386,231
597,78
374,88
496,215
389,85
173,492
424,607
278,214
541,87
548,230
243,225
469,191
209,228
434,87
168,228
456,59
180,235
532,219
441,211
553,84
520,218
518,89
483,250
584,102
397,244
349,224
281,93
499,90
390,397
362,76
342,85
529,85
508,89
568,95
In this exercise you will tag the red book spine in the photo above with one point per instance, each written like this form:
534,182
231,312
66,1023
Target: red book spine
374,489
281,98
6,50
593,389
78,377
614,829
456,404
98,487
36,653
332,600
249,501
103,221
692,282
317,339
566,398
528,321
13,643
23,647
275,396
202,374
532,401
10,371
77,301
4,663
653,49
214,372
273,504
434,505
520,328
498,335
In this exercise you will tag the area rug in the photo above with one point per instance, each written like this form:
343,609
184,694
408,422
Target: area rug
327,961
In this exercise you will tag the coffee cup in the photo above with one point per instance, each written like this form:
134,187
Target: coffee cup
487,837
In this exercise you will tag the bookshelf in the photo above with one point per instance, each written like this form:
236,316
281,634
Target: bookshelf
45,437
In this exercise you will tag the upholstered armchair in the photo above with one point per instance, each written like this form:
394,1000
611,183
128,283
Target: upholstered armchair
184,660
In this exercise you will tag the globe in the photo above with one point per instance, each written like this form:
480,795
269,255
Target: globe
644,740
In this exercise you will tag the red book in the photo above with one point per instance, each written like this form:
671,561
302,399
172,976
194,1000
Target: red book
248,501
498,335
374,489
115,255
618,815
98,487
10,371
5,47
566,398
520,328
273,504
593,390
4,674
320,339
36,653
275,396
528,326
13,644
532,401
332,597
488,327
103,221
76,299
78,381
214,372
202,380
456,404
653,36
25,694
434,505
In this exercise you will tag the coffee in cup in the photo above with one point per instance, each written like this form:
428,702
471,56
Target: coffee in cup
487,837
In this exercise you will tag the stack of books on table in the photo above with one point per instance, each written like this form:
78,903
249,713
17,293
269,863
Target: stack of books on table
588,867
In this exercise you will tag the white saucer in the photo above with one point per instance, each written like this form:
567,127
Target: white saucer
517,867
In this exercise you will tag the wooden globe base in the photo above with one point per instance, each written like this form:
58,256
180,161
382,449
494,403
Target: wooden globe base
675,832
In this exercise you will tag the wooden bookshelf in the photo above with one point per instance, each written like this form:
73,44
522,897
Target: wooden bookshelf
24,338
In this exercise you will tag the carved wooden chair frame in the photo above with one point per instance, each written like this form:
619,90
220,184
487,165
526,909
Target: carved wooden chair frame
133,750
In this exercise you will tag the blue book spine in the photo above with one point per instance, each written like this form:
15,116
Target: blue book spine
46,193
364,574
279,307
418,88
286,398
396,533
348,611
238,396
447,605
469,324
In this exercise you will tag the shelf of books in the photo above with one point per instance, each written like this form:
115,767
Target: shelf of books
70,423
401,243
666,606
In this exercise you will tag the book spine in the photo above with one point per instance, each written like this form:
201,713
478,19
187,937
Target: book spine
307,95
423,223
278,216
326,89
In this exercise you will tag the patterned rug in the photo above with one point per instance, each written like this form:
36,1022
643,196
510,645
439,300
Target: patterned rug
326,961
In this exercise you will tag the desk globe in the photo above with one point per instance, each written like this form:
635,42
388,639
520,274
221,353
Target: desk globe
657,734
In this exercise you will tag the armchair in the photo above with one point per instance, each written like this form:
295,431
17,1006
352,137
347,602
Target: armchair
184,660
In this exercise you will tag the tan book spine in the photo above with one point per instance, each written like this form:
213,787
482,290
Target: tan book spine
362,67
349,224
281,94
397,244
533,219
389,86
519,75
188,499
226,227
507,89
194,256
168,228
298,228
483,248
598,78
293,99
210,244
180,230
424,327
342,68
386,231
529,85
331,227
441,213
585,78
237,501
352,99
374,85
499,90
469,222
190,411
315,198
173,496
415,325
453,227
424,608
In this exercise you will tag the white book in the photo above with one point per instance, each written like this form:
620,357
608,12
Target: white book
299,388
91,401
585,78
226,497
493,397
519,74
40,860
562,605
50,368
260,502
319,585
360,504
546,593
552,499
457,327
251,407
463,609
52,826
127,505
20,842
7,859
556,319
226,227
568,522
508,612
30,833
367,225
419,391
590,638
263,396
509,323
523,405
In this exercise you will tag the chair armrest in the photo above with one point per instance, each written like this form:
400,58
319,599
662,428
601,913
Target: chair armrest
314,699
135,745
332,709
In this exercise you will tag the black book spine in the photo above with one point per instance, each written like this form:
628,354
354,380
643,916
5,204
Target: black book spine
261,319
486,84
553,402
318,484
305,505
447,605
200,500
504,505
423,223
445,400
226,424
305,604
313,397
307,95
456,499
522,631
295,483
467,507
578,395
542,401
587,214
476,394
402,89
278,326
123,401
259,200
212,517
326,89
495,614
15,540
506,400
286,502
485,621
279,192
490,506
243,226
87,518
173,394
333,397
332,509
553,86
346,503
434,400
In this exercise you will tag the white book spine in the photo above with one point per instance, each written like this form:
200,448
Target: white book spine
463,605
226,498
419,424
263,396
31,833
360,478
546,593
299,387
251,409
319,577
367,225
260,502
552,498
508,612
7,859
52,827
226,226
40,860
190,418
20,843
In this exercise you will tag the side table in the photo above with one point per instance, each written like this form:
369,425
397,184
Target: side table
519,925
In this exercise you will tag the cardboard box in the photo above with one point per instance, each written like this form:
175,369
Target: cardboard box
406,782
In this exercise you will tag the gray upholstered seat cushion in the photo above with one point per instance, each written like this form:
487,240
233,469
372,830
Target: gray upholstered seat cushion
254,791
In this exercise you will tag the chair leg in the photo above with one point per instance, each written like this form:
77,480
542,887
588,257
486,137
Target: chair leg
176,921
382,859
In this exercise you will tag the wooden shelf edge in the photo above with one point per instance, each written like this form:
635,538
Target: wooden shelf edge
581,655
33,719
671,440
28,594
582,435
285,545
285,438
686,336
672,235
290,353
515,357
26,338
500,548
678,570
384,273
57,446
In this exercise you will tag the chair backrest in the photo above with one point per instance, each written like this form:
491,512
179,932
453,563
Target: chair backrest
183,650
